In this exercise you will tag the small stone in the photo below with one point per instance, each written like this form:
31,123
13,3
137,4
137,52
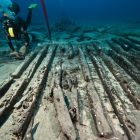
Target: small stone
63,50
30,88
58,100
101,134
30,99
13,123
114,116
5,100
19,114
17,85
87,78
45,97
121,125
25,105
65,84
1,105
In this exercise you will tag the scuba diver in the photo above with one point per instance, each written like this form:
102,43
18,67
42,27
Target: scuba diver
16,28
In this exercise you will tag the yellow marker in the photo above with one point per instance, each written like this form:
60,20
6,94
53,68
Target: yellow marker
11,32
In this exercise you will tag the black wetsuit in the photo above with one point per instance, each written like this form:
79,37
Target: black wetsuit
19,27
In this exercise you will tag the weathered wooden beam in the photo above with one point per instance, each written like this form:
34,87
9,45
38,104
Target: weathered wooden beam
101,123
132,57
34,92
111,92
62,110
70,51
84,67
22,67
133,40
5,86
126,65
29,133
74,100
130,44
124,46
16,90
123,82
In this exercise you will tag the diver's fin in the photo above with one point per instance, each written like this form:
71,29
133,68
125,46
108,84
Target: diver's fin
32,6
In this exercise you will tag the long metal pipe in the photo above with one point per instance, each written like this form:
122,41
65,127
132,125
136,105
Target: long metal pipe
46,18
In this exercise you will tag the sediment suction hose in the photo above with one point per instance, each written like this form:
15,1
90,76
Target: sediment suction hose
46,17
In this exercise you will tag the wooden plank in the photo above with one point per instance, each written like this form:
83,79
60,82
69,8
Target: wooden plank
111,92
20,85
62,110
22,67
34,92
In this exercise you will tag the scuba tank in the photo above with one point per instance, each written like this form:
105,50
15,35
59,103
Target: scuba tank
9,23
10,28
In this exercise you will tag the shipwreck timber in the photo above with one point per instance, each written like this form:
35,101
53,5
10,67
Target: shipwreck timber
74,92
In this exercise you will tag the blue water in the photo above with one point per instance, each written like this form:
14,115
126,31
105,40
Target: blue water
85,10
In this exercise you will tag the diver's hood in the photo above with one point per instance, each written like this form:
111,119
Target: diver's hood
14,8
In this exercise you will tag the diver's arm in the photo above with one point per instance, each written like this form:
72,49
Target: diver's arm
10,44
24,48
29,18
27,39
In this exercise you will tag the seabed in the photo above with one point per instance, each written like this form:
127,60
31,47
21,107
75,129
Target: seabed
84,85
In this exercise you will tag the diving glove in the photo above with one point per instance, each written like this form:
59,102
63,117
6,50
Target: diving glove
16,55
23,50
32,6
